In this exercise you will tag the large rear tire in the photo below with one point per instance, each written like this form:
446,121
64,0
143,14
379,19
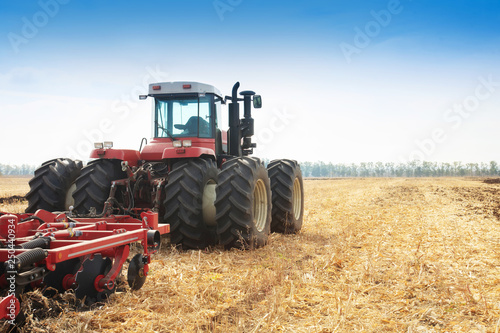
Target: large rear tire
243,204
189,203
52,185
94,184
288,196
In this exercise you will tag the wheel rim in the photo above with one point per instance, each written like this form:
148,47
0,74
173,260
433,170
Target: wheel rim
70,201
208,203
260,205
297,199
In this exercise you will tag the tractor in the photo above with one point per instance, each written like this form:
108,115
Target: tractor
199,178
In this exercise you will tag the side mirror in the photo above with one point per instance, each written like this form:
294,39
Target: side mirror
257,101
143,97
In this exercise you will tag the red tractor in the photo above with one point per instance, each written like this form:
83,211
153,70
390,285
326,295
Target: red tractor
200,179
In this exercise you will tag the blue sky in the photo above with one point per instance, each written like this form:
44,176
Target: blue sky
397,96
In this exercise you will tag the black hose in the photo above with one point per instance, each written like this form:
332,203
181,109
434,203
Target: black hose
41,242
131,197
71,220
32,217
27,258
120,207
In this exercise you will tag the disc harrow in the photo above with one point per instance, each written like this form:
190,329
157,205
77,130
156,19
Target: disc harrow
86,255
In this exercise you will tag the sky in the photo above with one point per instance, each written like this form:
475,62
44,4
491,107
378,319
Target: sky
342,81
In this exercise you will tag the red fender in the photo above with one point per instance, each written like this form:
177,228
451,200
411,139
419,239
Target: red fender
129,155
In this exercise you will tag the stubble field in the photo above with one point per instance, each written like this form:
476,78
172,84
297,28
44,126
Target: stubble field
374,255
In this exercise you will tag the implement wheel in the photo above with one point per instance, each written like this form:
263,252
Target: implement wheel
52,186
243,204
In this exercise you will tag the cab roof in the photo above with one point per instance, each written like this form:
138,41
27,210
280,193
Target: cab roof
182,87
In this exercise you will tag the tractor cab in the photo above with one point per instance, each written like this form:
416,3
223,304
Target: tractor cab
185,110
186,117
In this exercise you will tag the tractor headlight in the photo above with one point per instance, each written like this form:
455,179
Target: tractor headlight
98,145
177,144
187,143
108,144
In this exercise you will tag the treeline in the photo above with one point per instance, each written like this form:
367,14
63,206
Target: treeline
410,169
17,170
368,169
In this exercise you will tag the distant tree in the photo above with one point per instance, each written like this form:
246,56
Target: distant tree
353,170
427,169
16,170
493,168
485,169
332,170
389,167
370,169
363,170
399,170
380,170
323,169
316,170
469,169
476,170
306,168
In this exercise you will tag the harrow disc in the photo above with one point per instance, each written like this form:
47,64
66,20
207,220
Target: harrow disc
55,279
85,280
135,274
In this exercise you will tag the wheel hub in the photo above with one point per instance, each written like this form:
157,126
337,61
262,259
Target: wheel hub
208,203
70,201
260,205
297,199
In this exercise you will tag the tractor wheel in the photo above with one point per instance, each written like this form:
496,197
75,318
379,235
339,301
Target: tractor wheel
94,184
288,196
243,204
189,203
52,185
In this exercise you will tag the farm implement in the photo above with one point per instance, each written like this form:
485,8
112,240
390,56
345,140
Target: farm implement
63,252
